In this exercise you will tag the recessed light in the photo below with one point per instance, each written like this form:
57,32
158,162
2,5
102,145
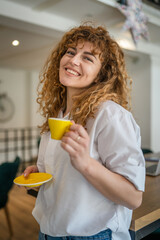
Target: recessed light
15,43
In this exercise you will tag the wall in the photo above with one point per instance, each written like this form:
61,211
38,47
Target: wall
35,118
20,86
138,67
155,103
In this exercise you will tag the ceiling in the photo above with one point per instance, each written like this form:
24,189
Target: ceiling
39,25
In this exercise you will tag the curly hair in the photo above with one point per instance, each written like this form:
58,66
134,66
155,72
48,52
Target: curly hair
112,83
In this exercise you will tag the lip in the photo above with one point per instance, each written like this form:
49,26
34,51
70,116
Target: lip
72,71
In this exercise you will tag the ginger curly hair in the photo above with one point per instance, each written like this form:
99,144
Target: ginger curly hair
113,82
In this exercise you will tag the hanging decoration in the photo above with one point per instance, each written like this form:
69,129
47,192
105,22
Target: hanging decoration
136,20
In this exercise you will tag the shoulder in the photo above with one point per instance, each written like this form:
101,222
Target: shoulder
44,139
112,109
112,114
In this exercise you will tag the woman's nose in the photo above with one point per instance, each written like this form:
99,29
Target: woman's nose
76,60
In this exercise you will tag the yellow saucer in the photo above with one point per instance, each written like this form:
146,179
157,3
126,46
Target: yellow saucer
33,179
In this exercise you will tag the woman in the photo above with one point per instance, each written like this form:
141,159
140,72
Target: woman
98,165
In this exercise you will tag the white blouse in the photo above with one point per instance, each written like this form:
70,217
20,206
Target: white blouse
70,205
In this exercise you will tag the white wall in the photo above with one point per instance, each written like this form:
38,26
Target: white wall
20,86
35,118
155,103
139,69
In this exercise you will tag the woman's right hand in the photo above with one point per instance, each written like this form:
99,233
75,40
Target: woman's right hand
30,169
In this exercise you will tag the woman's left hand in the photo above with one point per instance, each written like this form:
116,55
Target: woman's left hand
76,143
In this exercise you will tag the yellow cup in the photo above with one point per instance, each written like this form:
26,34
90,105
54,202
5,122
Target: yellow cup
58,127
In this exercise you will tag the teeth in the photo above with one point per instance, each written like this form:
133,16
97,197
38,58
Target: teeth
73,72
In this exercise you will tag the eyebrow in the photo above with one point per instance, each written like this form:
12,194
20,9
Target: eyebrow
91,54
88,53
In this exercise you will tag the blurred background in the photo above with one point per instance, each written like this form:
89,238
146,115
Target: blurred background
38,25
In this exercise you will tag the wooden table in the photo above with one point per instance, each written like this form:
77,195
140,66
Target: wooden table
146,218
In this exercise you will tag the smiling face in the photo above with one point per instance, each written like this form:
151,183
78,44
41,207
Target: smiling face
79,67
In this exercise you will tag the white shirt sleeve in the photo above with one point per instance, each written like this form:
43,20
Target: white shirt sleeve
119,147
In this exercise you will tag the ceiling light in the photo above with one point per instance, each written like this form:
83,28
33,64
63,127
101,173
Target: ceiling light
15,43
